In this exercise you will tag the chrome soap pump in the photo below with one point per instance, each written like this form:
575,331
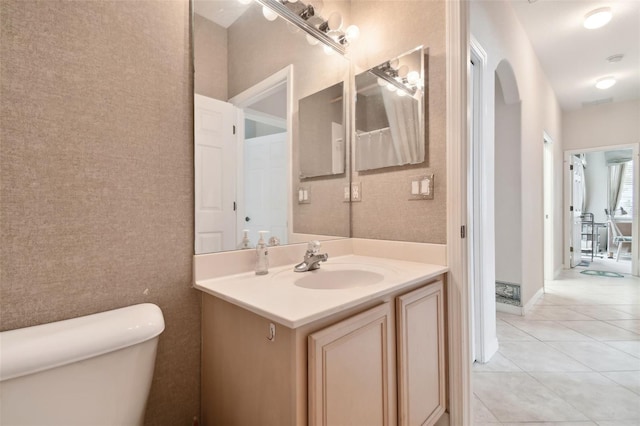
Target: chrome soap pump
262,256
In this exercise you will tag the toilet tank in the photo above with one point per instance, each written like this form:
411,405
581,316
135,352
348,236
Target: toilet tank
91,370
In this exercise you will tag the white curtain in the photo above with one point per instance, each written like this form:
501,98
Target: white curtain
403,114
375,149
616,172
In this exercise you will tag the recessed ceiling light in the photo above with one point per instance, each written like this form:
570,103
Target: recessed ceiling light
615,58
597,18
605,82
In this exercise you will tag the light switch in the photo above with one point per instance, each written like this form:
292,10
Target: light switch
304,195
415,187
347,193
425,186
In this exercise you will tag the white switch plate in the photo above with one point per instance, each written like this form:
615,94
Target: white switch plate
422,187
356,191
304,196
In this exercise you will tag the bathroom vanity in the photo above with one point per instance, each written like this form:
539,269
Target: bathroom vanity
360,341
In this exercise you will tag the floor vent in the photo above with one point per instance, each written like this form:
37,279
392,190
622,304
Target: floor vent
508,293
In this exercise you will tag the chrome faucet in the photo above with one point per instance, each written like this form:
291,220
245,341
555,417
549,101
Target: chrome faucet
312,258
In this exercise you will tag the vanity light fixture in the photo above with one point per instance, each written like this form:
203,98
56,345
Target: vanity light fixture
597,18
305,16
605,82
395,77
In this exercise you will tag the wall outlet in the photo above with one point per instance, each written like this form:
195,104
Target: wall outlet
356,191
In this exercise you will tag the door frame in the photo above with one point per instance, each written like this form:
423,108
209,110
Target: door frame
635,245
548,208
250,96
458,289
481,252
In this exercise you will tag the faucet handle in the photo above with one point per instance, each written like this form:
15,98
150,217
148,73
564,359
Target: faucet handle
313,246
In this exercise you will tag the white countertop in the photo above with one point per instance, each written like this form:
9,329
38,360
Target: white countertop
274,296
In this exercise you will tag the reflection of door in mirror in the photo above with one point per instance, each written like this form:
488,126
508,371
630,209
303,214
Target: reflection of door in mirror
390,116
215,186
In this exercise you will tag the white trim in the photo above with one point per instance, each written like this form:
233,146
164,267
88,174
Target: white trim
533,301
264,89
262,117
261,91
635,227
548,207
509,309
457,60
481,252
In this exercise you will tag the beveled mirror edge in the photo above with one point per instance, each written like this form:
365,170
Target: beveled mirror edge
424,112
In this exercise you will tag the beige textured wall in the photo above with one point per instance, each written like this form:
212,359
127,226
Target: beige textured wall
96,174
388,29
209,59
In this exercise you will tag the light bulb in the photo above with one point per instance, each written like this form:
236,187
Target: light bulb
335,21
352,33
402,93
605,82
391,87
394,64
269,14
413,77
381,82
597,18
328,50
292,1
403,71
312,40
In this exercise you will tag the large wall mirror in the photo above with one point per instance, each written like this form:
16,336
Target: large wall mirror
256,82
390,113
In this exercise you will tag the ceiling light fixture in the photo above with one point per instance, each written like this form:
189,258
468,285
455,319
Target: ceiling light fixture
605,82
615,58
597,18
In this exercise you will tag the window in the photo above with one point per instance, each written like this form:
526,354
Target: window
626,190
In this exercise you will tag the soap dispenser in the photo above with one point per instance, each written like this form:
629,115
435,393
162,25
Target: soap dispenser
246,242
262,256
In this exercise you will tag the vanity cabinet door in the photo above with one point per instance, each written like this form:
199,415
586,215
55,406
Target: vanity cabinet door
351,371
421,372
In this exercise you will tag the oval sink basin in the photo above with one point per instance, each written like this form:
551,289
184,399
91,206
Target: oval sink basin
322,279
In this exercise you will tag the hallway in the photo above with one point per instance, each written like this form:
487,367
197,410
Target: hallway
574,359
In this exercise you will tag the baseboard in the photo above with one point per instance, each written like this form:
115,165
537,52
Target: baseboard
509,309
533,300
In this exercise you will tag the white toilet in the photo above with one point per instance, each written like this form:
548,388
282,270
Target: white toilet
92,370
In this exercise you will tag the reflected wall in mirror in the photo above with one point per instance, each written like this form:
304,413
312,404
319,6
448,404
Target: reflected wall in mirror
390,113
251,73
322,134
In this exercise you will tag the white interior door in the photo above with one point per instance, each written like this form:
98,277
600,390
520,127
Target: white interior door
215,175
577,192
266,186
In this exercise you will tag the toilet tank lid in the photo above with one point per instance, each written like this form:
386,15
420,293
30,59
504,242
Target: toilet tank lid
29,350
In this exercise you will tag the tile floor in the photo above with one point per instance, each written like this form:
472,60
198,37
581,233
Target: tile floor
573,360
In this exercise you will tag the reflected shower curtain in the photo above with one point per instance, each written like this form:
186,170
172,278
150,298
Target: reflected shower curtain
403,114
375,150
